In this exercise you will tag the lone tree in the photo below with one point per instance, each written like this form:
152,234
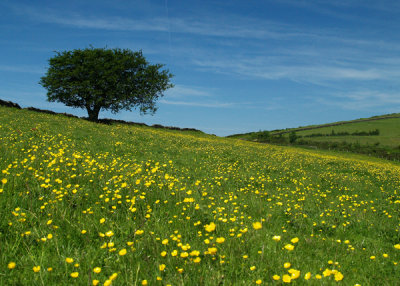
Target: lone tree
105,79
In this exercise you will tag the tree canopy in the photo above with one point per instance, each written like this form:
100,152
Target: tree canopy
105,79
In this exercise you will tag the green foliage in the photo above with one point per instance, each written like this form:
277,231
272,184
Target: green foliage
263,135
292,137
105,79
344,133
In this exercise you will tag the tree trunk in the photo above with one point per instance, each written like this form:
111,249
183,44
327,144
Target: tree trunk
93,112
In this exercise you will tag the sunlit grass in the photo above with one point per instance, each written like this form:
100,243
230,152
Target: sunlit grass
85,203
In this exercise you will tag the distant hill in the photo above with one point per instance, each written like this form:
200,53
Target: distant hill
378,135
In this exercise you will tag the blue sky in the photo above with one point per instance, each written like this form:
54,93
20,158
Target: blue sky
238,66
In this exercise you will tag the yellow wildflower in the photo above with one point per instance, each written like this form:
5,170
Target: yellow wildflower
257,225
69,260
210,227
11,265
289,247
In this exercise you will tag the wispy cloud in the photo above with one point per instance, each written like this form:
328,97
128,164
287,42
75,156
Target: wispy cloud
263,68
226,26
363,100
200,104
110,23
22,69
183,91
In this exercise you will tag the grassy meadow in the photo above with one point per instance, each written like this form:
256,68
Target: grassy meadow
93,204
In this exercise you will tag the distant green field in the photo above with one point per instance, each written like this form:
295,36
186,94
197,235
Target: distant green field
386,144
389,132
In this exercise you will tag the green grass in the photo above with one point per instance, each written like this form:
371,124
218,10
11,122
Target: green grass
89,192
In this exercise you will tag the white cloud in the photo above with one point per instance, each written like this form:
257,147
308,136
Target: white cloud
183,91
22,69
226,26
272,69
200,104
363,100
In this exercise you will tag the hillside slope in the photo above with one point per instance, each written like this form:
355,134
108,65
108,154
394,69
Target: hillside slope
371,122
378,136
84,203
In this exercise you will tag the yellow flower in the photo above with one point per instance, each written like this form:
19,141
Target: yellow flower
144,282
327,272
74,274
195,253
372,257
165,241
286,265
294,273
289,247
174,252
257,225
83,231
163,253
50,269
286,278
107,282
294,240
97,270
276,277
252,268
122,252
11,265
307,276
212,250
276,238
161,267
139,232
259,281
184,254
397,246
113,276
4,181
95,282
197,260
210,227
36,268
102,220
109,233
69,260
220,240
338,276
